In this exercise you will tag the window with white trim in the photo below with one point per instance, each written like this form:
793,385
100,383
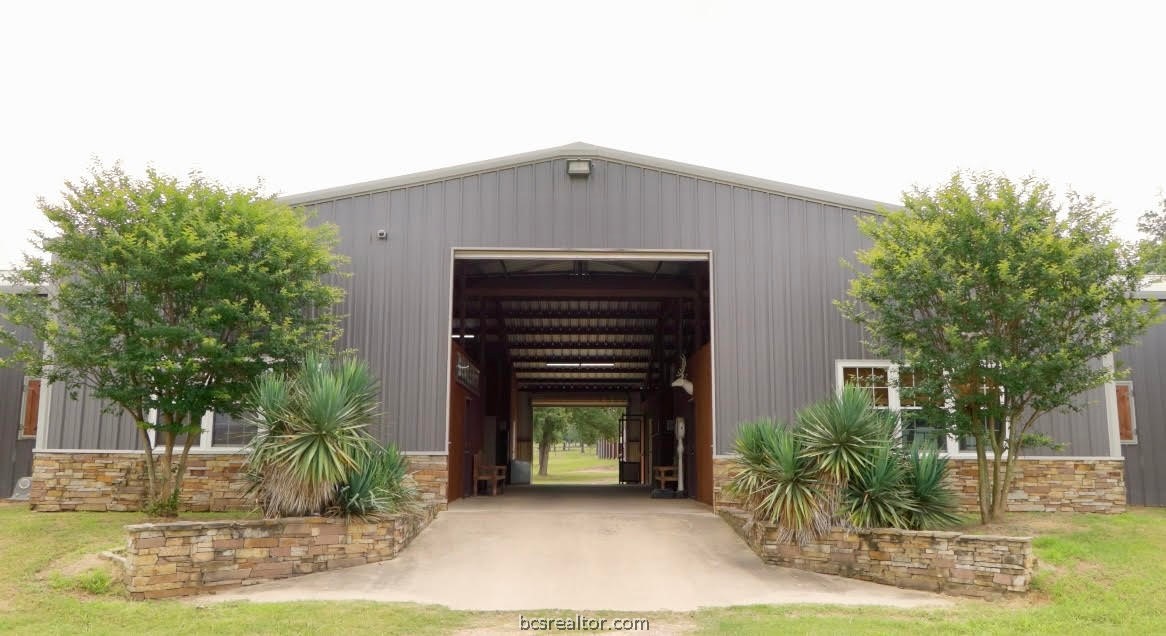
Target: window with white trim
227,430
967,443
219,432
885,380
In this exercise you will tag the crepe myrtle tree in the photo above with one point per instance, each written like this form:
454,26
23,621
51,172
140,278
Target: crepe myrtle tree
1152,247
1003,304
170,295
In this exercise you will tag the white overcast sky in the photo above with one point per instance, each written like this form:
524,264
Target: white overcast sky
863,98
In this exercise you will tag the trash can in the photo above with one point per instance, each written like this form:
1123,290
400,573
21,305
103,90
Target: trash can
519,472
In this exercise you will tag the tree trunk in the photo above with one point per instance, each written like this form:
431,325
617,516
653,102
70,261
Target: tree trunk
544,455
983,485
1001,504
161,503
151,469
180,474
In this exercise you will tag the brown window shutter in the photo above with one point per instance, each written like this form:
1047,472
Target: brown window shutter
31,409
1125,420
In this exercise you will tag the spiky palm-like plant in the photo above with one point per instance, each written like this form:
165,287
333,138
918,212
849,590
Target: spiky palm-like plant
934,499
843,434
878,495
779,483
311,433
379,487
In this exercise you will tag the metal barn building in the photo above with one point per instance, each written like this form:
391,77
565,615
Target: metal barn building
582,274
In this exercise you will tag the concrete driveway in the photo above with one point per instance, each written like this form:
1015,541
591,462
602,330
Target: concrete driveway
579,548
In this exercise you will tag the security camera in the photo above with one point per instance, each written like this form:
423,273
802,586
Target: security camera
382,235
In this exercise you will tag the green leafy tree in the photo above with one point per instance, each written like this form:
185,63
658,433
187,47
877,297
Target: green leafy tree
1002,303
1152,248
171,296
590,424
551,424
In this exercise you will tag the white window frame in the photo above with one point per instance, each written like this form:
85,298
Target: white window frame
893,399
204,444
1133,413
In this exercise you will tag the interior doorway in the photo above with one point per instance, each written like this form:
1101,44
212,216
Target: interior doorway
534,330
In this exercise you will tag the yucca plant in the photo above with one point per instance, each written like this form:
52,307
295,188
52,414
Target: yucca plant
378,487
312,433
935,501
779,483
878,495
842,434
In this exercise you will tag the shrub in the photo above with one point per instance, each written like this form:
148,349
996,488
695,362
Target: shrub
840,464
844,434
313,453
378,487
935,502
780,482
878,496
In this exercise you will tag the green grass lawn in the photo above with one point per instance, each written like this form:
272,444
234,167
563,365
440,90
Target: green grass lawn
1098,574
572,467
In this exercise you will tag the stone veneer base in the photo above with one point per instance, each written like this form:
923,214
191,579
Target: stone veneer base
116,481
184,558
1041,484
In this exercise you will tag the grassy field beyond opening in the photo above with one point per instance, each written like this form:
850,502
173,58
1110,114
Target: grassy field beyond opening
572,467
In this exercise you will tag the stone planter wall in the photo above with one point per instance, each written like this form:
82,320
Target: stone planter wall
1042,484
948,562
116,481
184,558
431,472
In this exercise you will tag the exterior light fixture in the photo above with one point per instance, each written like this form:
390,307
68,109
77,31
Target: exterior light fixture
467,336
575,365
598,364
578,167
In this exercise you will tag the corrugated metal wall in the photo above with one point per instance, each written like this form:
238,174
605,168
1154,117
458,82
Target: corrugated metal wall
83,423
15,452
775,267
1085,433
776,273
1146,460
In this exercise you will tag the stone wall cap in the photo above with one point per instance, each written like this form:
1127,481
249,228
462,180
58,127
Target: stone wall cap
996,538
162,526
931,534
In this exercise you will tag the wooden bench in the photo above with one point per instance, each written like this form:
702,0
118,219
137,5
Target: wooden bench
666,474
493,475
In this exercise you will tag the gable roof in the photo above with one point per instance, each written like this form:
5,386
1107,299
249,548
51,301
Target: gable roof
580,150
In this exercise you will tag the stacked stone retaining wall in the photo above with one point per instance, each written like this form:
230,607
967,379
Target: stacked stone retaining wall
184,558
978,566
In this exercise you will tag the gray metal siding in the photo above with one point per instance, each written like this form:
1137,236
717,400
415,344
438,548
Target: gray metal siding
1084,433
82,423
1146,460
775,271
15,453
